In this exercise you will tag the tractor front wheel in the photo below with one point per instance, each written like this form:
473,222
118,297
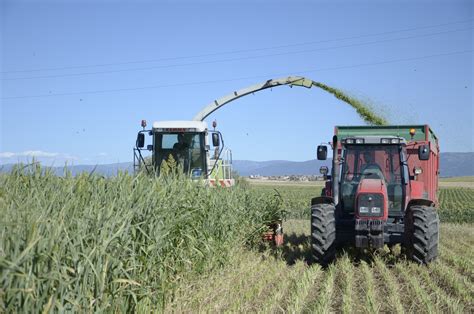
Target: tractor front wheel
323,233
422,234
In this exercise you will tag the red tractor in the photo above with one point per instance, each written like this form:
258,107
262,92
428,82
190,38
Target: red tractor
382,190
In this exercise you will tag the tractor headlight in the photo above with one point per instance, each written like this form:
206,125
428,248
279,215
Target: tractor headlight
375,210
353,141
390,140
370,205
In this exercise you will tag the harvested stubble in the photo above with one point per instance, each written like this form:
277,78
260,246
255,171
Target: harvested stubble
379,282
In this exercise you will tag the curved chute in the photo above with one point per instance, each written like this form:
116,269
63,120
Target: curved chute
363,111
216,104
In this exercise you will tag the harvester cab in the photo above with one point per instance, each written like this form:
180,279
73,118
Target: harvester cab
187,141
381,190
187,145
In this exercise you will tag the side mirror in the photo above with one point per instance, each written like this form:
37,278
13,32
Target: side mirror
424,152
140,140
215,139
322,152
323,170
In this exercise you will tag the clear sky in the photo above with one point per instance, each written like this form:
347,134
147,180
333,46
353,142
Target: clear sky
77,77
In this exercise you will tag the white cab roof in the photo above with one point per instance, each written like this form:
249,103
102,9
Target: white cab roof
200,126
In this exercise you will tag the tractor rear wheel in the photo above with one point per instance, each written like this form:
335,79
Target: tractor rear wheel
323,233
422,234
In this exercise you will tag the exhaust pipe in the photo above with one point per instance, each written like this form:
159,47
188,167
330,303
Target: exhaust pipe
335,171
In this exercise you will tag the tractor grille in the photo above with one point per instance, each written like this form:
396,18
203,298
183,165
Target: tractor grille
369,225
370,205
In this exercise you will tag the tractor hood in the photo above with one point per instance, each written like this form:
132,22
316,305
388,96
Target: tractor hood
372,186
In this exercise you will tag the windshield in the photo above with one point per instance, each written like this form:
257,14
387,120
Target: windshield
187,149
373,162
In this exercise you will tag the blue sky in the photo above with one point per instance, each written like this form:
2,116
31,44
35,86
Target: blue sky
78,77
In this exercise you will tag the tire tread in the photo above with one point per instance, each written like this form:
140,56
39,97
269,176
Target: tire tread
323,233
422,233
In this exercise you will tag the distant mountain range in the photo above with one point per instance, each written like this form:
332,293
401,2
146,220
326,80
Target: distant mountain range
456,164
451,164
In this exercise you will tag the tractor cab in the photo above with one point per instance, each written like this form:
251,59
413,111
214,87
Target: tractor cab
372,168
187,145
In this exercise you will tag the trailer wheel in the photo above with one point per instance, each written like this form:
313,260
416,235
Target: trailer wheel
323,233
422,234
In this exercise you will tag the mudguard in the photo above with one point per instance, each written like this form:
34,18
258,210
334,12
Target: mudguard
421,202
322,200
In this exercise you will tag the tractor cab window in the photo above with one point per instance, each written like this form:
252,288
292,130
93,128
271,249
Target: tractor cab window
187,150
372,162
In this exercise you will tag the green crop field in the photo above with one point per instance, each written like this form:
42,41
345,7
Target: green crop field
296,199
456,203
89,243
94,244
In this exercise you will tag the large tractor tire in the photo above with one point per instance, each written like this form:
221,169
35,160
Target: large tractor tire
323,233
422,234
